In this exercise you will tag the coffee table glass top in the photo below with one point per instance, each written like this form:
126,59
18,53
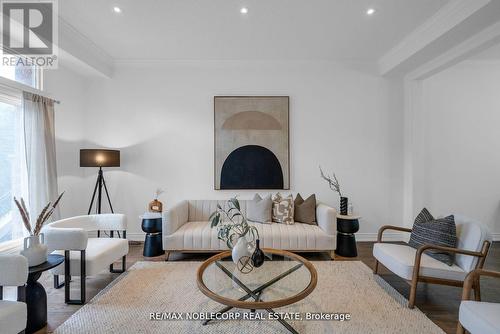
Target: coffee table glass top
283,279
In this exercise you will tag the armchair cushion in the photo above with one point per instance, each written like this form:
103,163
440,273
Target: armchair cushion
100,253
480,317
471,236
400,260
13,317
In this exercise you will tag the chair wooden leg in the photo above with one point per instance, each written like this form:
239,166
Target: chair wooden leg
460,328
375,270
413,294
167,254
477,291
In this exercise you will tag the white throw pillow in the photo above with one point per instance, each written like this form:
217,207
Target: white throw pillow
259,209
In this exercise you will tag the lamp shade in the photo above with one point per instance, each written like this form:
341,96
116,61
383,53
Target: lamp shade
99,158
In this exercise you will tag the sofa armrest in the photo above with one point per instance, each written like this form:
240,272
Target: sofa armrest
175,217
65,238
326,218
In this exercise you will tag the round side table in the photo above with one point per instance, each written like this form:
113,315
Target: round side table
36,297
346,241
153,245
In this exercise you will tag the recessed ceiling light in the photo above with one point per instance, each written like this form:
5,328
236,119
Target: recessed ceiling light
244,10
370,11
117,9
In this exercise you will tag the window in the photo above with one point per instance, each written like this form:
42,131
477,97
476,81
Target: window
27,75
12,164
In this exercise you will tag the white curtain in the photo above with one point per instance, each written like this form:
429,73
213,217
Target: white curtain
39,130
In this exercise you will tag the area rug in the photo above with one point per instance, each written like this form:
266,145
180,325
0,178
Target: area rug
347,287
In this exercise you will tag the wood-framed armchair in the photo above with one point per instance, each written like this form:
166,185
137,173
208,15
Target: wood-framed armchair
415,266
474,316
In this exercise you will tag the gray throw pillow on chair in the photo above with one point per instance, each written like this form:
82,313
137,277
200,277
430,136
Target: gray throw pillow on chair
440,232
259,209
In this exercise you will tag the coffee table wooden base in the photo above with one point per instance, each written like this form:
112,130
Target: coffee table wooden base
258,303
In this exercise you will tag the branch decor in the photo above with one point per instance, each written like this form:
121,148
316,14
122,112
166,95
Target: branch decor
334,185
43,217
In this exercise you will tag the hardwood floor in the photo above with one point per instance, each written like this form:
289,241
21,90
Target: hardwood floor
439,303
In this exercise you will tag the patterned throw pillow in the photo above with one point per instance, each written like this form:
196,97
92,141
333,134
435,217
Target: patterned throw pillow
305,210
441,232
283,209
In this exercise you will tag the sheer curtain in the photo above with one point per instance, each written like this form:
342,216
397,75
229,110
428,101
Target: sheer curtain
40,148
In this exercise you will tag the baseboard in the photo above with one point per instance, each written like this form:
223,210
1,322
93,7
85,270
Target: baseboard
496,236
136,236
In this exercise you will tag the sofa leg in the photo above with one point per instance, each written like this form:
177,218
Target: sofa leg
375,270
167,255
413,294
332,255
124,266
67,279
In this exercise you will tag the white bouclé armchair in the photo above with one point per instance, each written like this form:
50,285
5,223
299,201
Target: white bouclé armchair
85,256
13,314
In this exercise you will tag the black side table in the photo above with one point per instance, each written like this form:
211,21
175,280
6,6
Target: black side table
153,245
346,241
36,297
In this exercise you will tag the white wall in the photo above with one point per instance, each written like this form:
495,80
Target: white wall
161,118
462,142
70,88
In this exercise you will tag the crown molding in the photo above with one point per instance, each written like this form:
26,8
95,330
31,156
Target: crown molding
448,17
460,53
80,51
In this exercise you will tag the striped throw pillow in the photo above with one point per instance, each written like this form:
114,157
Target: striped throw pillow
441,232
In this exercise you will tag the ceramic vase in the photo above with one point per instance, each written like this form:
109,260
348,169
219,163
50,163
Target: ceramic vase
343,205
240,250
258,255
34,250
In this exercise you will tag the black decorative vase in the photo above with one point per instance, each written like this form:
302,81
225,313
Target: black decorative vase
258,255
343,205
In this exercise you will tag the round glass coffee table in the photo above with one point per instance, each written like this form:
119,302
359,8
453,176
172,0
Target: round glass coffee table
284,279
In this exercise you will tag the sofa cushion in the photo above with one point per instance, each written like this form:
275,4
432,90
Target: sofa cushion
440,232
304,211
480,317
259,209
283,209
400,260
12,317
100,253
200,236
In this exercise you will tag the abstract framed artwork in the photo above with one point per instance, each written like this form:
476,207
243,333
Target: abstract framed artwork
251,142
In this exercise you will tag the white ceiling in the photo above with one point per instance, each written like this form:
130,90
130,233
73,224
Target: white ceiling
273,29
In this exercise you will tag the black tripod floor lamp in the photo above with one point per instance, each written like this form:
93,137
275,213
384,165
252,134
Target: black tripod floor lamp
99,158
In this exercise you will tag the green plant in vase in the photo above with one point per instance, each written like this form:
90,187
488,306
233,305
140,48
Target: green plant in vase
234,229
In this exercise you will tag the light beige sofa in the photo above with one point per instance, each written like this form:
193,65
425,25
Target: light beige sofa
186,229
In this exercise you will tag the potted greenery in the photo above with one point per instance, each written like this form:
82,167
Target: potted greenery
234,229
34,249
